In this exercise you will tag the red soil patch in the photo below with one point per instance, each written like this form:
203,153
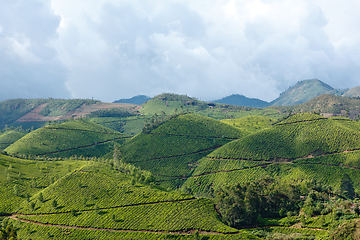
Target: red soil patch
81,111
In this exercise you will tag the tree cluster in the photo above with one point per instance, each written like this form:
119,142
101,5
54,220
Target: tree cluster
247,203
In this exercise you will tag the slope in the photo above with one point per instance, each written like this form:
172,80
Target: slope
250,124
167,104
301,92
236,99
21,178
140,99
353,92
172,146
67,139
302,146
9,137
103,199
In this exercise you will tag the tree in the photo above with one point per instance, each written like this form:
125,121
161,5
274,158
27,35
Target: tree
40,197
54,204
346,187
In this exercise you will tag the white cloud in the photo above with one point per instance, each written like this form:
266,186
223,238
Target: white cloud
116,49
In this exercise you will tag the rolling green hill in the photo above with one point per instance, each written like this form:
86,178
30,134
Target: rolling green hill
20,179
301,146
67,139
302,92
96,200
173,146
167,104
9,137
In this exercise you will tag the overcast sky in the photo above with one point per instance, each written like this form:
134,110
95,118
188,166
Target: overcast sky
109,49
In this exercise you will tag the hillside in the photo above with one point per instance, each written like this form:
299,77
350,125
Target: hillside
354,92
9,137
250,124
297,147
67,139
36,112
174,145
302,92
241,100
140,99
167,104
102,203
21,179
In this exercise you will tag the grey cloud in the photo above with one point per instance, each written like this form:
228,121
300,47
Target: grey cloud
29,65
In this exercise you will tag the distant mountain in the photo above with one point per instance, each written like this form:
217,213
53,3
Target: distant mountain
302,92
354,92
140,99
241,100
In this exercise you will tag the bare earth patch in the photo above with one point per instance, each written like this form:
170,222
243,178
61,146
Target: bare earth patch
81,111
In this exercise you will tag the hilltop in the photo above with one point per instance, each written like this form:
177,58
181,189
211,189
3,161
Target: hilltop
174,146
297,147
301,92
67,139
36,112
354,92
241,100
140,99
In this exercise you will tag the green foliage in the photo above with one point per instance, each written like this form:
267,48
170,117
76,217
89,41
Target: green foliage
125,125
106,189
177,144
250,124
168,216
243,204
346,187
8,231
107,113
9,137
26,179
292,139
38,232
67,139
173,103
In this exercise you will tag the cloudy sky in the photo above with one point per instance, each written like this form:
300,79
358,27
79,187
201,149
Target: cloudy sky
109,49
